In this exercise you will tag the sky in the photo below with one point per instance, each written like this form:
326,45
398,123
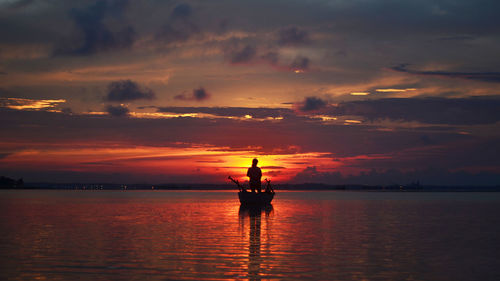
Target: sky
337,92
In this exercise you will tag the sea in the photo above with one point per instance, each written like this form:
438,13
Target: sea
206,235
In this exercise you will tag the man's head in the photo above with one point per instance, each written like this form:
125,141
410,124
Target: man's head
254,162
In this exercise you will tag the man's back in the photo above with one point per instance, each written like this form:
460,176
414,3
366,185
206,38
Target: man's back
254,173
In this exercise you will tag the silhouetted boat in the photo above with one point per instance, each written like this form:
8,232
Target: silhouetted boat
255,198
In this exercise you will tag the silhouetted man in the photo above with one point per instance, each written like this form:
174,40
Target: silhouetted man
254,173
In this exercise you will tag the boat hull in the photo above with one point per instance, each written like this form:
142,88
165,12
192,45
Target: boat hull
251,198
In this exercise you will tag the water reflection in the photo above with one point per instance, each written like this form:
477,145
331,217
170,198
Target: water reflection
254,215
167,235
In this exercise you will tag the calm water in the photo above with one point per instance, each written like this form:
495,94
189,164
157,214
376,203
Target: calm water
171,235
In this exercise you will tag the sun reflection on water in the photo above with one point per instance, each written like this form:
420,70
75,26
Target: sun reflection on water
206,235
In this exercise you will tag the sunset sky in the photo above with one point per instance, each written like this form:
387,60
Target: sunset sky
354,91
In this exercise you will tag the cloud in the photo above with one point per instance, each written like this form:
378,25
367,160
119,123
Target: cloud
403,149
117,111
312,104
369,35
4,155
127,90
261,113
493,77
299,64
171,33
427,176
273,167
431,110
17,5
199,94
293,36
182,11
457,38
66,110
235,53
98,37
271,57
29,104
244,55
179,26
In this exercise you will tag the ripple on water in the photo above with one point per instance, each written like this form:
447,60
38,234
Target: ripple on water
163,235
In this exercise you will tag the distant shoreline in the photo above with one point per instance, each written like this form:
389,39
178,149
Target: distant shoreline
291,187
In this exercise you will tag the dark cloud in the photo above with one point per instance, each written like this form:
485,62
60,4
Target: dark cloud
199,94
117,111
225,132
127,90
96,35
312,104
493,77
293,36
210,161
179,26
222,26
67,110
3,155
182,11
432,110
402,147
20,4
457,38
273,167
300,63
460,153
244,55
271,57
426,140
231,111
426,176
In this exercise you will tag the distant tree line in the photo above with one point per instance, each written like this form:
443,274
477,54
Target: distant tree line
6,182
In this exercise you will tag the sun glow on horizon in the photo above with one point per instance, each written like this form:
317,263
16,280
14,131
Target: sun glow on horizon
210,162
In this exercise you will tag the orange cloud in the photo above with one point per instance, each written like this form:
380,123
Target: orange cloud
22,104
